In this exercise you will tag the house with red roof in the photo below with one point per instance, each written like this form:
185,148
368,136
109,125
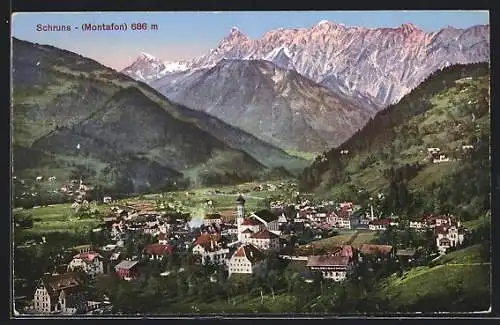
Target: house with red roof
247,259
265,240
380,224
209,247
89,262
158,251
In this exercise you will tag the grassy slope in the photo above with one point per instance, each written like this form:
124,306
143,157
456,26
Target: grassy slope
459,282
428,117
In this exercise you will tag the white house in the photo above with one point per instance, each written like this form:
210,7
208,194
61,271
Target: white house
265,240
59,293
448,236
107,199
89,262
211,252
336,268
247,259
213,218
340,220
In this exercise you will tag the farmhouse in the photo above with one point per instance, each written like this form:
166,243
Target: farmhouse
247,259
375,251
336,268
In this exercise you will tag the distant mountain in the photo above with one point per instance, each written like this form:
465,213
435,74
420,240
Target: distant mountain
277,105
375,66
449,111
147,68
72,114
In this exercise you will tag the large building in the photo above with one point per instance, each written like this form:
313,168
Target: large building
247,259
265,240
61,293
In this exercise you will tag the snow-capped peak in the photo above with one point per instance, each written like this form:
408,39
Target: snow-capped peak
147,56
322,22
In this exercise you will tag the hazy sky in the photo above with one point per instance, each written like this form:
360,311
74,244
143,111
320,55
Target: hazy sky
183,35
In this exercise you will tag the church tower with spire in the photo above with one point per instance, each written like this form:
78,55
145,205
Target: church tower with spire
240,214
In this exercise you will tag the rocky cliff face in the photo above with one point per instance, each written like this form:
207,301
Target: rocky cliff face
374,66
277,105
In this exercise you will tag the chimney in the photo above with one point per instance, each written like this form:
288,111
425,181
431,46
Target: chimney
251,254
212,244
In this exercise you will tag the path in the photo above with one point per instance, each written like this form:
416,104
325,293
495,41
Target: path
352,239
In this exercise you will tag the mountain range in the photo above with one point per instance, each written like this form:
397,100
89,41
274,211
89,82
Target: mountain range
377,65
319,85
71,113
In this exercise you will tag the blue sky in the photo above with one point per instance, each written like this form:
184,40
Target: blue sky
183,35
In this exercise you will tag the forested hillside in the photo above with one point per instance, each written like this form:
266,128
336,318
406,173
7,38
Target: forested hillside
390,156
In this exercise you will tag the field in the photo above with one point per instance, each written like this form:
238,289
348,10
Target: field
62,218
239,304
59,218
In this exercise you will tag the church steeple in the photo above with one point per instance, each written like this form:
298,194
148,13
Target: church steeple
240,214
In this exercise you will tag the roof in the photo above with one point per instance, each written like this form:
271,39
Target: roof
211,216
252,253
158,249
127,265
266,215
162,236
383,222
251,222
375,249
69,282
406,252
88,257
240,199
327,260
264,234
205,239
347,251
246,231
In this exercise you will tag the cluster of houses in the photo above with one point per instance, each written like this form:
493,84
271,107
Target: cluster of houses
236,240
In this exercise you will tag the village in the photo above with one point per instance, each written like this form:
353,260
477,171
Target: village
332,240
